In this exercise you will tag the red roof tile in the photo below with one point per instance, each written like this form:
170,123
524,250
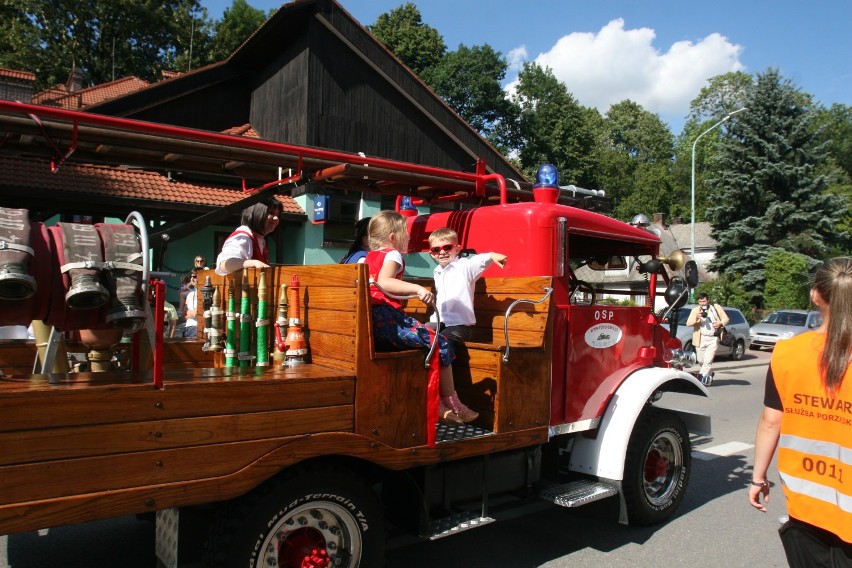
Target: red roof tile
26,75
59,96
94,180
244,130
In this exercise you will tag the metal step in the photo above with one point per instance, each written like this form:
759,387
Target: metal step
577,493
456,523
455,432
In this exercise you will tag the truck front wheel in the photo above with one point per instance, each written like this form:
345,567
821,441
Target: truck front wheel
656,468
317,518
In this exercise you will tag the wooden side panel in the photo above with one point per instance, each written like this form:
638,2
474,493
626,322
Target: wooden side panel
16,356
390,405
82,454
79,404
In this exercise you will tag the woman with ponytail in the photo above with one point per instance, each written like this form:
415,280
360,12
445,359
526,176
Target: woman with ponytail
807,416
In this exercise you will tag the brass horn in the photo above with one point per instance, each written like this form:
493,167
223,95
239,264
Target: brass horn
675,260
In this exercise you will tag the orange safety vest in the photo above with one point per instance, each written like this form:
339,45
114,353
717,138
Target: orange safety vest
815,447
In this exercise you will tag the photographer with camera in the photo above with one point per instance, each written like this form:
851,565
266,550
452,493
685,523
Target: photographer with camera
707,321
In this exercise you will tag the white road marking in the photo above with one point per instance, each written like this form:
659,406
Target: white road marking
722,450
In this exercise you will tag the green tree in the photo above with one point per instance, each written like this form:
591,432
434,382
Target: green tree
237,24
722,94
402,30
469,80
727,290
106,39
552,127
786,281
634,156
835,128
768,194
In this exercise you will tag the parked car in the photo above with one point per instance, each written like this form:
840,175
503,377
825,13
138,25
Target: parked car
738,326
783,324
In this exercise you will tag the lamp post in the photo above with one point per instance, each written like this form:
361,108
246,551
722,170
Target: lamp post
697,138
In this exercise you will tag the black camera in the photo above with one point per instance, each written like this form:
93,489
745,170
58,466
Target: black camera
704,312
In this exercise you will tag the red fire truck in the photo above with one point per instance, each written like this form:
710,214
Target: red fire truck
306,460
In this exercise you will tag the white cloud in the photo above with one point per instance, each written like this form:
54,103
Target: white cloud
616,64
516,58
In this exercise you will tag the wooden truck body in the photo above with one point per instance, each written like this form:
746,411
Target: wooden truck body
306,463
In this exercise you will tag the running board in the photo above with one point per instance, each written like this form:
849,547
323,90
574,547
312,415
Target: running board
456,523
578,493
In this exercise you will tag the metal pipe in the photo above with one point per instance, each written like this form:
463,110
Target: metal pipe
236,141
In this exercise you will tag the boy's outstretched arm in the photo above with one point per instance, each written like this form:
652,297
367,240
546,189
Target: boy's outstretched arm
499,259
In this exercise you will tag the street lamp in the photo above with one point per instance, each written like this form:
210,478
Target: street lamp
692,222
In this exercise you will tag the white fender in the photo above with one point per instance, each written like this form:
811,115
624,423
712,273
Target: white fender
603,456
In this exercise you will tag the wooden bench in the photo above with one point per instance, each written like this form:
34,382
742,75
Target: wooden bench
508,395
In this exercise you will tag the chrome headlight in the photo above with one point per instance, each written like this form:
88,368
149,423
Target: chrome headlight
680,358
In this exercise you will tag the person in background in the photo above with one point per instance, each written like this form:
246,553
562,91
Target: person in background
806,416
394,330
455,278
190,326
706,321
200,263
246,246
360,245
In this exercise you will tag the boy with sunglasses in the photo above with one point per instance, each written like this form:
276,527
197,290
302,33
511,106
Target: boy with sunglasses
455,278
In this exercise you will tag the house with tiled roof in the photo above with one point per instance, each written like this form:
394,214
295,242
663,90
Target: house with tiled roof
311,75
72,95
16,85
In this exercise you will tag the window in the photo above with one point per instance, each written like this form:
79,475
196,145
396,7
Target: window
340,221
735,316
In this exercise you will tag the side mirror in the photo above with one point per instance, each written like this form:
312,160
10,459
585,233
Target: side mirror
690,271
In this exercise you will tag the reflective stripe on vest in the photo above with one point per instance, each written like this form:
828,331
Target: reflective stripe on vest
836,465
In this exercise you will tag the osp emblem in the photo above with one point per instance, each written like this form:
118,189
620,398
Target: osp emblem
603,335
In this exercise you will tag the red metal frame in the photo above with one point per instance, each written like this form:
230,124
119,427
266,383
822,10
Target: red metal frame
77,118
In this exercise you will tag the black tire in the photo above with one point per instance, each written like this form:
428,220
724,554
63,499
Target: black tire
282,522
656,468
737,351
754,347
689,347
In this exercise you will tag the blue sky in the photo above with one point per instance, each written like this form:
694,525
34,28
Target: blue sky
657,53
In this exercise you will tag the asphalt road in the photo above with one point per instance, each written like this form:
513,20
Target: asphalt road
713,527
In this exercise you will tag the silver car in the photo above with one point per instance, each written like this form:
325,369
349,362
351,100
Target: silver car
783,324
738,326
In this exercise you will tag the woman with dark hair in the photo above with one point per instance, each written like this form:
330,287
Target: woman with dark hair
246,247
361,245
806,416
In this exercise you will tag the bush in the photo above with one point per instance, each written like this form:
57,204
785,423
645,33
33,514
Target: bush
786,281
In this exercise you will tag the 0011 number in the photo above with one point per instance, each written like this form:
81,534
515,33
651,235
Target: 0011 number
823,468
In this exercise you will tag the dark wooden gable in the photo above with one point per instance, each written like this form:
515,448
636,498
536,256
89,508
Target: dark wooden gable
312,75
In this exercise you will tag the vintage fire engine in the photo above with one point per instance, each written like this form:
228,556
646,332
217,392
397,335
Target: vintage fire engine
282,432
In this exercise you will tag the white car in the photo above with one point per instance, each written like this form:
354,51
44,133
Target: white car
737,326
783,324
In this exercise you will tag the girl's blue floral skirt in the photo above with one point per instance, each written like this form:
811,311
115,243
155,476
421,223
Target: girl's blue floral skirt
395,331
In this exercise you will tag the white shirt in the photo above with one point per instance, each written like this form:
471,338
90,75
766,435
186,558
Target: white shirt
455,285
707,323
238,246
191,303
